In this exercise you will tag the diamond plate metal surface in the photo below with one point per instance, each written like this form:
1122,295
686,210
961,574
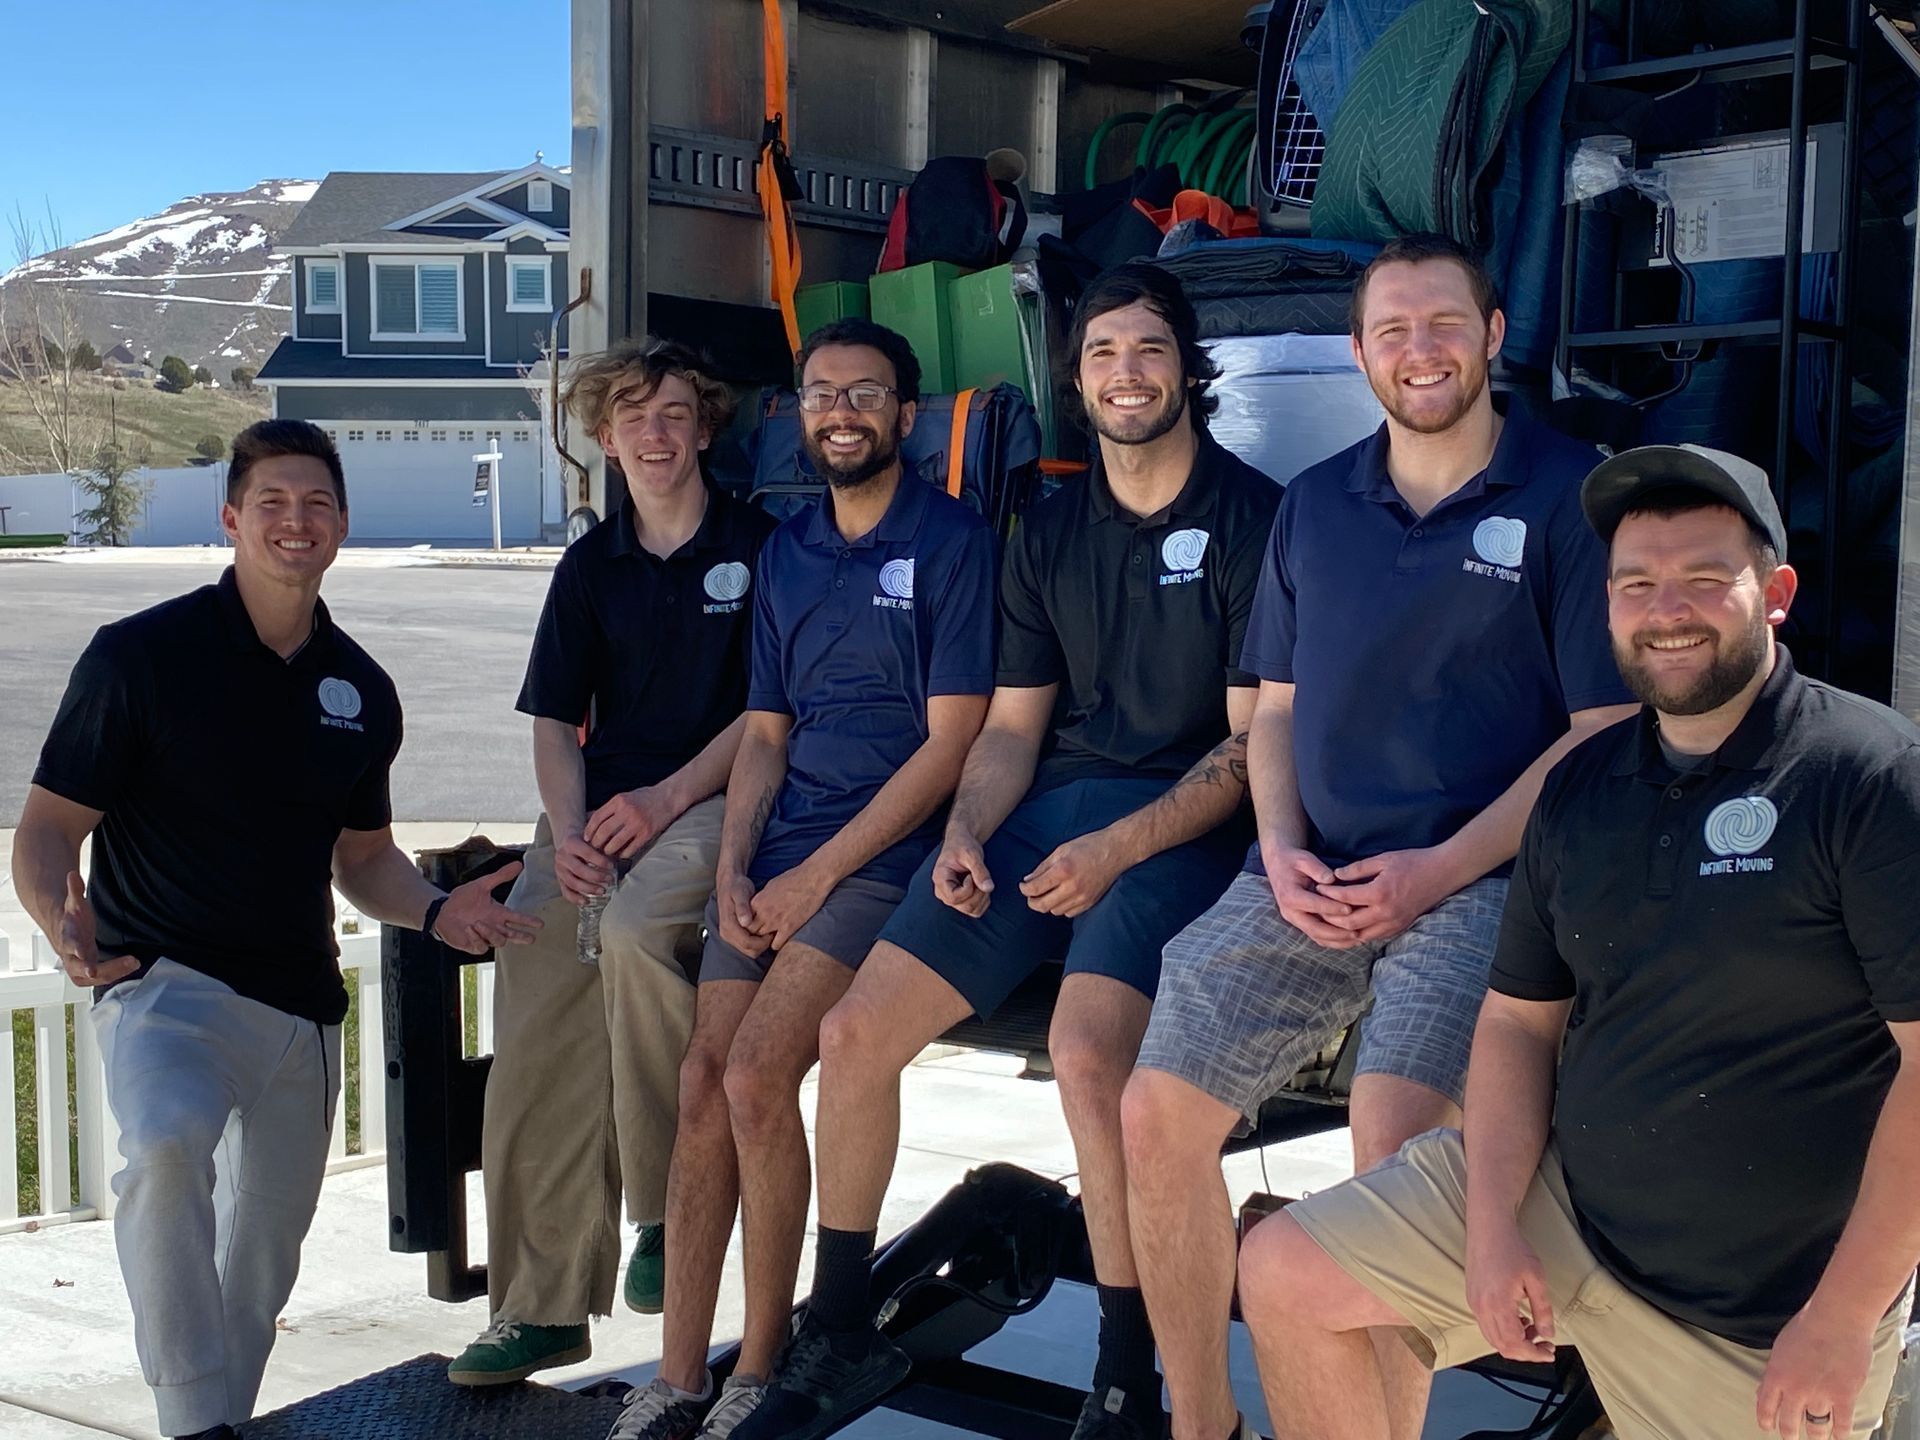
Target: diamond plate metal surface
417,1400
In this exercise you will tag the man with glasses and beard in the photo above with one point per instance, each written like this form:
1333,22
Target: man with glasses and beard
1093,822
1429,639
872,661
1690,1123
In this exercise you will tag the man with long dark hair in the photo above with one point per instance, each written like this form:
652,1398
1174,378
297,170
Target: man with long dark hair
1092,822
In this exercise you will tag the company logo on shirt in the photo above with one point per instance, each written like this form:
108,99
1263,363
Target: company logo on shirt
341,702
1181,552
726,584
1737,828
896,585
1501,544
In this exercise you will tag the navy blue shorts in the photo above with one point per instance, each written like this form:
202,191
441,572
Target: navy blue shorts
1121,936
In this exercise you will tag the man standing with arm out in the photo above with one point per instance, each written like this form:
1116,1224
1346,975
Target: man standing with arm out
1714,1199
872,661
1429,640
645,628
229,752
1130,592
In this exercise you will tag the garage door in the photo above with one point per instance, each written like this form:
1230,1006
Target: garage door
410,482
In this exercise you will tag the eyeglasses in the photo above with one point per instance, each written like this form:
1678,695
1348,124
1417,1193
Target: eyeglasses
867,395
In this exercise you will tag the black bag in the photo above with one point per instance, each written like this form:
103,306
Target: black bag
955,211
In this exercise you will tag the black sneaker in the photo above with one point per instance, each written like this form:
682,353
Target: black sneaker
1110,1413
824,1379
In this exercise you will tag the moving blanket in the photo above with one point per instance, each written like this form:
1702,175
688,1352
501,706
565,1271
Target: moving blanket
1418,132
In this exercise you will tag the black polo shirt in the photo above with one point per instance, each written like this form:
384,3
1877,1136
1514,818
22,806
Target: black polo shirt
1736,941
1138,620
225,775
657,648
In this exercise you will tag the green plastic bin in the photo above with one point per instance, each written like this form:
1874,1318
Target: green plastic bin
986,331
913,301
817,305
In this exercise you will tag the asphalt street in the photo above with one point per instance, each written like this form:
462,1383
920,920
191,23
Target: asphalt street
454,640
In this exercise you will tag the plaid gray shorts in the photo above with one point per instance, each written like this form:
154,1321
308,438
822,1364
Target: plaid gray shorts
1245,998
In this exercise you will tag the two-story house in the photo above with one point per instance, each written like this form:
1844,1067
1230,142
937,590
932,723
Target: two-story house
419,303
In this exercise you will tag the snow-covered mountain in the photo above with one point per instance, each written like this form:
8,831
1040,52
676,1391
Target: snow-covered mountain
198,280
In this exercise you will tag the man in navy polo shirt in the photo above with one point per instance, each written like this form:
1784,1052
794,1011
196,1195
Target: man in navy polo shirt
1694,1098
873,639
1430,637
644,633
1093,823
228,751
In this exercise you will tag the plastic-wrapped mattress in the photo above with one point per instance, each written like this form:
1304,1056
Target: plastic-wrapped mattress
1290,401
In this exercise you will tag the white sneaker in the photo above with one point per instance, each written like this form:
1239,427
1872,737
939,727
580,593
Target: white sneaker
739,1398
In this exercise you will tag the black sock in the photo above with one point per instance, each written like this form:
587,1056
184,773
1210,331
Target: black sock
842,1279
1126,1345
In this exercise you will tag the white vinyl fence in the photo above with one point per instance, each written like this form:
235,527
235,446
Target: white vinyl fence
181,507
74,1128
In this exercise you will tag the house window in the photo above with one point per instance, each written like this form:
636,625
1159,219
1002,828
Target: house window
437,436
409,434
323,287
540,196
493,437
529,283
356,435
385,437
523,436
418,300
466,437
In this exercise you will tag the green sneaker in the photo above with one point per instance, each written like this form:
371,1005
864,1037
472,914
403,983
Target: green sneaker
647,1271
507,1351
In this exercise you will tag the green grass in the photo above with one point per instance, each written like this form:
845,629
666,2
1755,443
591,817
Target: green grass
171,424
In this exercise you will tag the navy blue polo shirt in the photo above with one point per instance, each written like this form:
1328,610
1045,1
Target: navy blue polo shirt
851,638
1435,657
656,646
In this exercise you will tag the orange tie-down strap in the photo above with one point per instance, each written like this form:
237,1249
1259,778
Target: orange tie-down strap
776,182
957,445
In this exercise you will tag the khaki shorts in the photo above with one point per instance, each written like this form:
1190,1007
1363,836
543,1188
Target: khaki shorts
1400,1230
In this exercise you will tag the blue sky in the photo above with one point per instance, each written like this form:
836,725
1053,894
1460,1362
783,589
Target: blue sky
121,109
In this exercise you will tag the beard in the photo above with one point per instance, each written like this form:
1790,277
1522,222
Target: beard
1734,665
1141,427
1394,400
847,473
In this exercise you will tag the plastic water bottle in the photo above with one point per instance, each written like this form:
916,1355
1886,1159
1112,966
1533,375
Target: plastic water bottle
588,952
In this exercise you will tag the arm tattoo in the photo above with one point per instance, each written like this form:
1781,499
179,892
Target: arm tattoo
1226,762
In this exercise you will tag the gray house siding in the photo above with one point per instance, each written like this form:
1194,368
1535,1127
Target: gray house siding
560,217
402,403
358,278
311,326
516,333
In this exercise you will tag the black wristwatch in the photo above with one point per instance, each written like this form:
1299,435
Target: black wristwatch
433,914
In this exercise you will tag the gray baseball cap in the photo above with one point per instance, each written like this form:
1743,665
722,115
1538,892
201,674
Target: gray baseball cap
1618,483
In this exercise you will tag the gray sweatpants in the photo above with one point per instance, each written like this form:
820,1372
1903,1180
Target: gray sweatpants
225,1106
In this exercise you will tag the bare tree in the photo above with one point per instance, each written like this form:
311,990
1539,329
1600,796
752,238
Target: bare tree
41,358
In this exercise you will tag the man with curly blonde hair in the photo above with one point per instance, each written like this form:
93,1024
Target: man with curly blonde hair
637,687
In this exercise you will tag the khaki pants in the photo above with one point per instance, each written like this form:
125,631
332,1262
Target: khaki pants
583,1096
1400,1230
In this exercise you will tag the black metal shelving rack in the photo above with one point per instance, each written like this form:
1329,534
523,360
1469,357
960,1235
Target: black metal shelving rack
1796,57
